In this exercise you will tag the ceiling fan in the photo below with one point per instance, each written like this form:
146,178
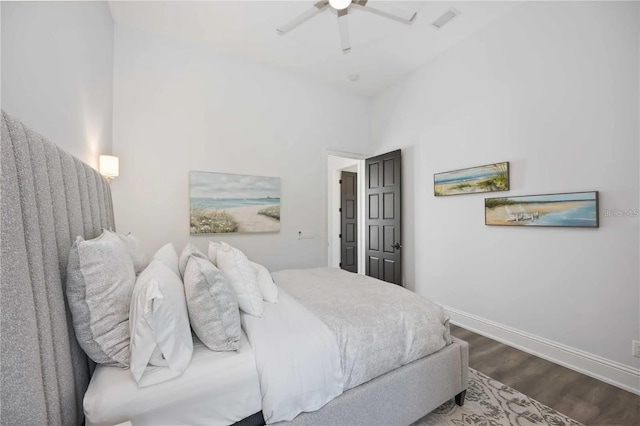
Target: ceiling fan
342,7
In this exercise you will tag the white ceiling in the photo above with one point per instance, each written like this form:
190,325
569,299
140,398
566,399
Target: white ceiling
383,51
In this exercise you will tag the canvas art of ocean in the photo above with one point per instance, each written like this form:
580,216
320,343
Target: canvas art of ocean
487,178
576,209
223,203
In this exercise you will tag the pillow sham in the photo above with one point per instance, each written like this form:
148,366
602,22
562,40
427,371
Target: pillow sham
266,285
187,252
243,278
168,255
134,247
159,323
100,280
213,252
212,305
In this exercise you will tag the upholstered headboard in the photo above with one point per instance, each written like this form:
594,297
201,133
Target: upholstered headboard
48,198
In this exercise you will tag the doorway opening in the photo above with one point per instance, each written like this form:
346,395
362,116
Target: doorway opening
339,250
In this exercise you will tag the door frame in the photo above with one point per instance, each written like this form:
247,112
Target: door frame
332,213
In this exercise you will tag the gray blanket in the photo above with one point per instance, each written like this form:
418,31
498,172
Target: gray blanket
378,326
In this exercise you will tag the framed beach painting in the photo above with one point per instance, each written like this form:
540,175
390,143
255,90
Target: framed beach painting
222,203
487,178
572,209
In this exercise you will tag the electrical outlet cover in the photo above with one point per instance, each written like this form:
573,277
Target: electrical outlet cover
636,348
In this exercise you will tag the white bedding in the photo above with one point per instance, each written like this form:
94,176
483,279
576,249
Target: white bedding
377,326
218,388
297,358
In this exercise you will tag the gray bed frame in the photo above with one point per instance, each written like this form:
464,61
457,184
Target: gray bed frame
47,199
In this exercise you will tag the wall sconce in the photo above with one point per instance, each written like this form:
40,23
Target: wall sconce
109,167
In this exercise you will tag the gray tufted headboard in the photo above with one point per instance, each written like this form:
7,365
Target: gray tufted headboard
48,198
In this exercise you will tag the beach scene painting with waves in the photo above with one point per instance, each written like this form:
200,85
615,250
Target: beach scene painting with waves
574,209
487,178
222,203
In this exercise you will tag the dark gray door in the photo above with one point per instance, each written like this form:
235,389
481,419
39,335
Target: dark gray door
349,221
383,227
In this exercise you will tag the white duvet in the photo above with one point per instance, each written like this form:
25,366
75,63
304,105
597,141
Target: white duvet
297,359
332,331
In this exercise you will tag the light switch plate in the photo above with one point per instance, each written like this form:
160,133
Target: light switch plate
305,235
636,348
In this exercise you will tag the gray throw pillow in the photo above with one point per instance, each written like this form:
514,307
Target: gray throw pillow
212,305
100,279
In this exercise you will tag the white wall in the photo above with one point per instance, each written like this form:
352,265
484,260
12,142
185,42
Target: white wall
57,72
553,88
181,107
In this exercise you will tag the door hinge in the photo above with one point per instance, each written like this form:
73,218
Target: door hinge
340,181
341,264
340,209
340,236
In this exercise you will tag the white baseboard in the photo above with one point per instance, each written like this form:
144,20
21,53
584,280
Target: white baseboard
614,373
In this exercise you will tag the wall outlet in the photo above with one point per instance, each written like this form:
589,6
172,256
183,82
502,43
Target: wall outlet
636,348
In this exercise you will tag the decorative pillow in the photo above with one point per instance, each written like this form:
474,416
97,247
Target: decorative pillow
135,251
159,323
189,250
243,278
100,279
265,283
168,255
213,252
212,305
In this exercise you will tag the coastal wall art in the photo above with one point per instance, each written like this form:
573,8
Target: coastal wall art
572,209
487,178
223,203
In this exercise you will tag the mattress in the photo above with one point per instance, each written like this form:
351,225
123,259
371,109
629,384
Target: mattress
218,388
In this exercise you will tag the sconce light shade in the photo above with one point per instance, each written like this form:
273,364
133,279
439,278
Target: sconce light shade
109,166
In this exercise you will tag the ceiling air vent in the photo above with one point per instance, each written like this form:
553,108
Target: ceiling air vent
445,19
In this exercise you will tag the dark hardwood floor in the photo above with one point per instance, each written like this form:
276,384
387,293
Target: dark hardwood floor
580,397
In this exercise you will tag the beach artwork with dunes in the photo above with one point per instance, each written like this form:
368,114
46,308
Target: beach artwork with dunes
574,209
487,178
222,203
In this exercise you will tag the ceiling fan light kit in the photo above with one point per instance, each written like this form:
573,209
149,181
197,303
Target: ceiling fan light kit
343,8
339,4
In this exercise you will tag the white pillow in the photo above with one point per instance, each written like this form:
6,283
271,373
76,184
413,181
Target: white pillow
168,255
265,283
188,251
213,252
159,323
134,247
243,278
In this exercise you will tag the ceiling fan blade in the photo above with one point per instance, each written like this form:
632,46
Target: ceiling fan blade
361,5
317,8
344,30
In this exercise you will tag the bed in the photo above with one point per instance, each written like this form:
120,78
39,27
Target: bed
49,197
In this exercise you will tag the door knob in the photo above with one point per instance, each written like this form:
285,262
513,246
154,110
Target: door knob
397,246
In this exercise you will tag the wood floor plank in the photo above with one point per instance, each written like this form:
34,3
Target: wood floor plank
589,401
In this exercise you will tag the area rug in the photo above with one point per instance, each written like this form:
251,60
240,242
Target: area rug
491,403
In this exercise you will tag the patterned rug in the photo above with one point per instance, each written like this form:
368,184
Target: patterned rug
491,403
